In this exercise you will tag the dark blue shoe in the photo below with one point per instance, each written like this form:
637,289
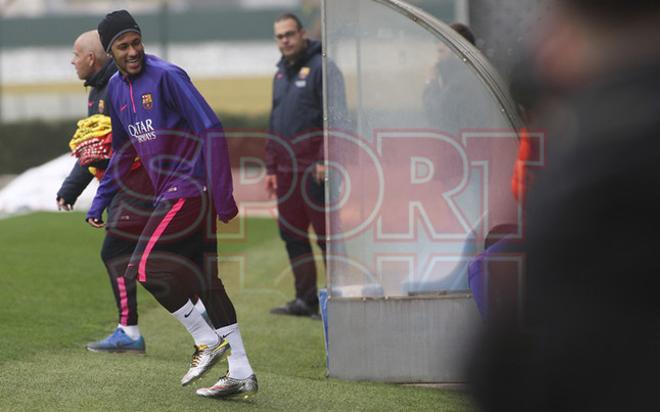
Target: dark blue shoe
117,342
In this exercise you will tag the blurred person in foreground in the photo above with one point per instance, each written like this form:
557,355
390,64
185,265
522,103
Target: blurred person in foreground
158,115
590,336
91,145
297,117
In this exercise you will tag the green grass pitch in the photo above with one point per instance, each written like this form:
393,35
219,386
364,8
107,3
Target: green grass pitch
55,296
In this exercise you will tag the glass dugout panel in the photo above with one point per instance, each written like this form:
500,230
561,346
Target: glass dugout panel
420,144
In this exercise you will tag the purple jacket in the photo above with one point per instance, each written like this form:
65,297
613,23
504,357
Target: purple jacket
159,116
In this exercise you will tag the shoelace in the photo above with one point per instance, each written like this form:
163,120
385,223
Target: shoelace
115,335
222,382
197,356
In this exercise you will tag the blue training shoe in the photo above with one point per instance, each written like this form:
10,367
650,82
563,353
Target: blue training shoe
118,342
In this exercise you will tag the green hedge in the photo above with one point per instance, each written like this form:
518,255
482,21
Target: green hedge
28,144
24,145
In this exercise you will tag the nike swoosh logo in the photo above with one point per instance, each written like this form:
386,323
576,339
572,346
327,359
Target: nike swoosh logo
121,109
191,311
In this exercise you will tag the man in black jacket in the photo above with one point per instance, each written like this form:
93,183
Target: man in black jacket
125,219
295,164
95,68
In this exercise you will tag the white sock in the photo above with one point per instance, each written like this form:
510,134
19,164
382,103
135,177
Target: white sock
199,305
193,321
239,365
132,332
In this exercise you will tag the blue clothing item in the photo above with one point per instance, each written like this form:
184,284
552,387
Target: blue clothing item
118,341
160,116
478,273
297,108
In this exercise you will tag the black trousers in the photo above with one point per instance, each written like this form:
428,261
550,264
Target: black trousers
127,215
301,203
115,253
176,258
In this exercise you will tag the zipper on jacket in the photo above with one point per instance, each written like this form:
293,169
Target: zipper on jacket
130,89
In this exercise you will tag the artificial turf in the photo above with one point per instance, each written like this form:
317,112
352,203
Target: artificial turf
55,296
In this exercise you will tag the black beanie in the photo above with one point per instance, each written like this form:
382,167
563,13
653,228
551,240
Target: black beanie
114,25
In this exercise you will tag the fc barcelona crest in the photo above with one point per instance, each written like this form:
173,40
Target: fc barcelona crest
147,101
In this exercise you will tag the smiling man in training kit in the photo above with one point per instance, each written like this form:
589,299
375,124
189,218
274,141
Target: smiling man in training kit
158,115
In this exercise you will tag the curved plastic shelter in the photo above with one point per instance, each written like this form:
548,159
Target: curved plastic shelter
420,142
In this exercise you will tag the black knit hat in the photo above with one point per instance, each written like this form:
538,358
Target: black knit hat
114,25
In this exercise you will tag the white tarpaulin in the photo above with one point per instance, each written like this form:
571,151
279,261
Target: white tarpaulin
36,189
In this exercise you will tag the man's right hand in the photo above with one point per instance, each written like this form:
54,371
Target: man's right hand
63,205
271,185
95,223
